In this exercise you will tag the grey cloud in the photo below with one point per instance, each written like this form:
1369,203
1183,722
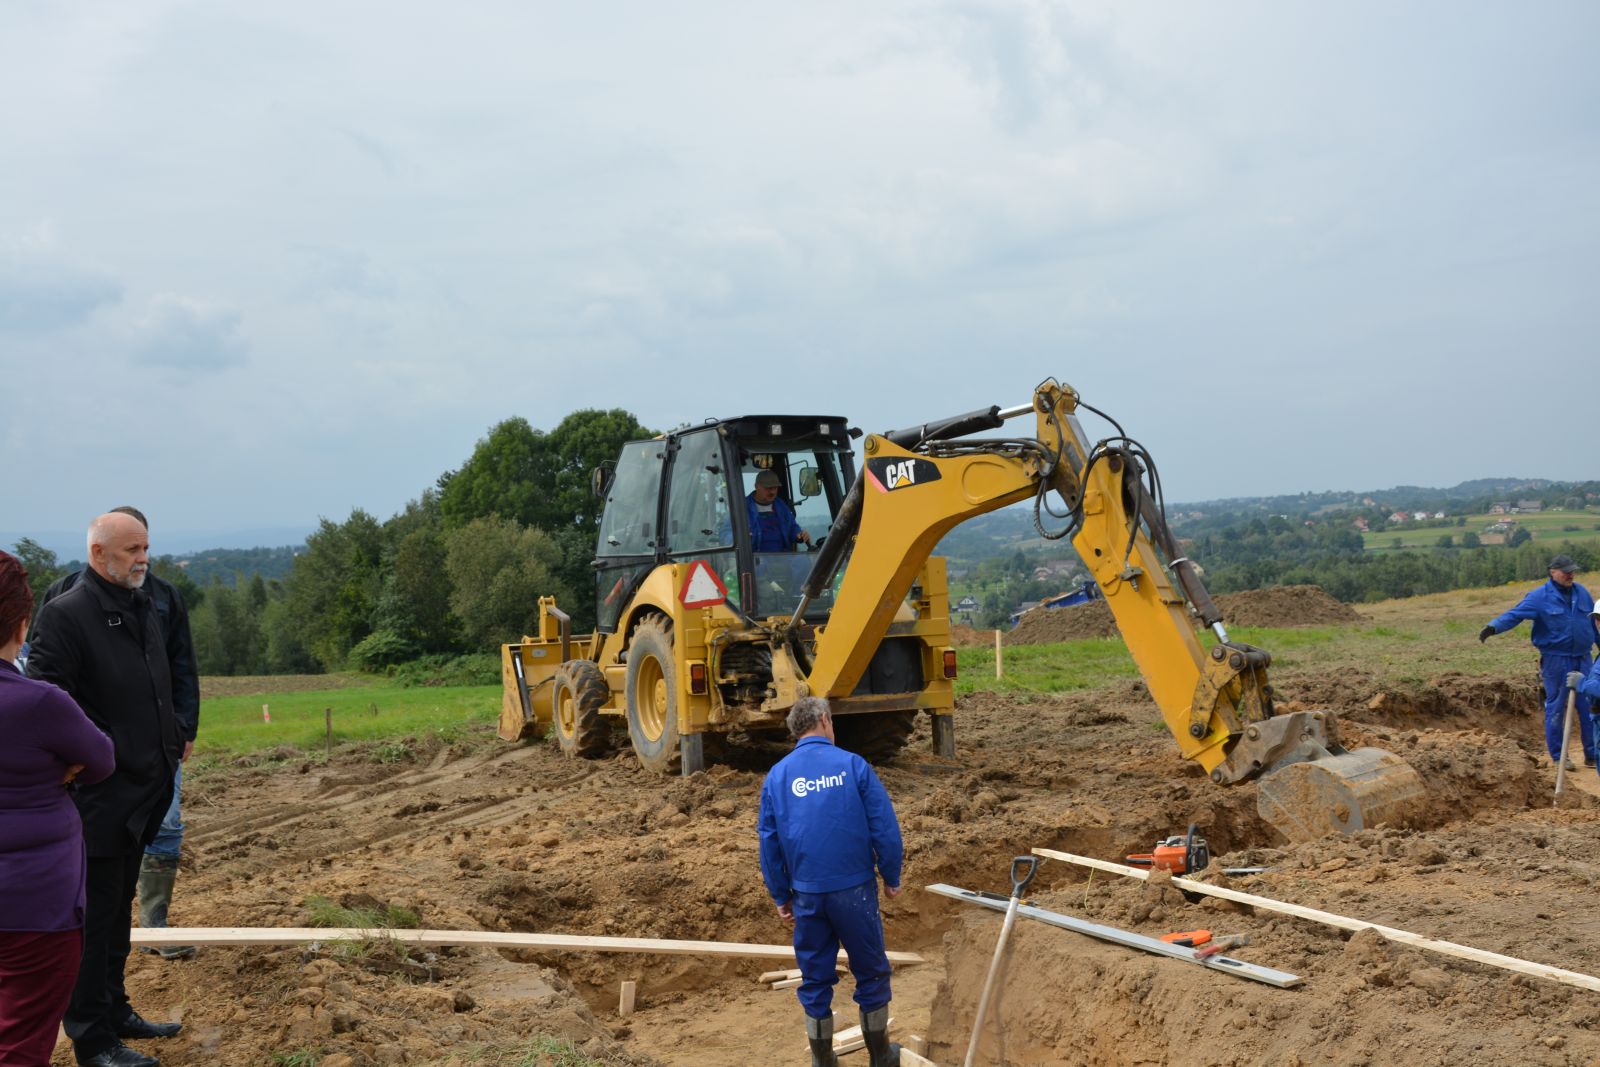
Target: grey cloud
38,294
190,335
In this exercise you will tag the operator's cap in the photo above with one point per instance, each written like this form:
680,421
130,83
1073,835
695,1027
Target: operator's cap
769,480
1560,563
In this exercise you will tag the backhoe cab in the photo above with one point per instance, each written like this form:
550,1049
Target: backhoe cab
702,637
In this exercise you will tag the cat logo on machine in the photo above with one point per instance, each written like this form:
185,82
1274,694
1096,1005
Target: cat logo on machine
891,474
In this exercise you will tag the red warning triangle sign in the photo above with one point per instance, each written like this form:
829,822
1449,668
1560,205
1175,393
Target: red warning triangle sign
702,587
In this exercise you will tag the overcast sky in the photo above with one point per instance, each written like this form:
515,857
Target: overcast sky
261,263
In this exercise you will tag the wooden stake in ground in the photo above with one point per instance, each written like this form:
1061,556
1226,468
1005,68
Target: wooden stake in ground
1343,922
625,1001
997,653
327,716
1566,736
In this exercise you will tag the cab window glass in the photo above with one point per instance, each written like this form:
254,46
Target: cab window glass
697,505
628,526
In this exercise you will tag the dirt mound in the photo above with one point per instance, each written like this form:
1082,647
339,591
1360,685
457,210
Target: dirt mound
967,637
1285,605
1043,626
1281,605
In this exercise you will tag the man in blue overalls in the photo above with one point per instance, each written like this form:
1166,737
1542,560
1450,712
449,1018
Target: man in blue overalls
827,831
1563,635
773,527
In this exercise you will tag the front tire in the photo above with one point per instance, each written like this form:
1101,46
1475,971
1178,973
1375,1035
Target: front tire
652,694
581,691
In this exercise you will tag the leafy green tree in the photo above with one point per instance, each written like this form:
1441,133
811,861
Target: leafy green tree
334,588
583,441
1471,540
498,569
227,629
1447,541
1520,537
511,473
41,565
283,636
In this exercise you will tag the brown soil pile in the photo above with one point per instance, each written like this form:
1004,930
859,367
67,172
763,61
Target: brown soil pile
483,835
1282,605
967,637
1285,605
1044,626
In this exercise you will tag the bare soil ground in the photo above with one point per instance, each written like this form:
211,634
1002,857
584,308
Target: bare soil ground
488,836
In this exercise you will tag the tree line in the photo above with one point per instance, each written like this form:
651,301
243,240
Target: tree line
454,573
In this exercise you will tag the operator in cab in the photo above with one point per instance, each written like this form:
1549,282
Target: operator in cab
772,523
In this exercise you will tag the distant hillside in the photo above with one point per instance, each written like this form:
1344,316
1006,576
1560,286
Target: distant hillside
223,564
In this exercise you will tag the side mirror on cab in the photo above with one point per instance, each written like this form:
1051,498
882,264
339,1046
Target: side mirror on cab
600,478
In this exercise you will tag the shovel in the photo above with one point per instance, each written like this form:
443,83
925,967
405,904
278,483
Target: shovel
1566,736
1022,872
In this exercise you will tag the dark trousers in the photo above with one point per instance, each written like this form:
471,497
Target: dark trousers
99,999
824,921
36,974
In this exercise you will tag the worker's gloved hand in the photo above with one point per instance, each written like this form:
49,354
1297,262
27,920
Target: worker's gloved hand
1485,633
1573,678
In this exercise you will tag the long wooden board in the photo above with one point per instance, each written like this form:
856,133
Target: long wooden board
1344,922
238,935
1127,938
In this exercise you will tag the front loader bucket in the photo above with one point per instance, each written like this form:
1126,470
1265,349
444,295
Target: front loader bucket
1339,794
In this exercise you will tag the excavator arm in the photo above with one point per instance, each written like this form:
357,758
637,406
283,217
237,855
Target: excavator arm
919,483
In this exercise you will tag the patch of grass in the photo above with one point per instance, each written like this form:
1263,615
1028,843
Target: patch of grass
534,1052
300,1057
325,913
394,752
1055,668
1417,638
233,726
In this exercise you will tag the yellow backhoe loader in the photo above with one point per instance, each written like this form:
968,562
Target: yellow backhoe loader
702,636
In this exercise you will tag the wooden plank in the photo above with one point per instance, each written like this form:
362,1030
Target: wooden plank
1129,939
916,1043
779,976
850,1040
625,1001
239,935
909,1058
788,983
1344,922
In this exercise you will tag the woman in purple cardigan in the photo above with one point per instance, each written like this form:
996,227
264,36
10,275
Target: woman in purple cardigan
48,743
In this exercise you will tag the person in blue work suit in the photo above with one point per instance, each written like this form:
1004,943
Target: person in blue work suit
1588,687
827,832
772,523
1562,632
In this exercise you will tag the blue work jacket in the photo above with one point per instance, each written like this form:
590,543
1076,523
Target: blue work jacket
775,530
1590,686
826,823
1561,622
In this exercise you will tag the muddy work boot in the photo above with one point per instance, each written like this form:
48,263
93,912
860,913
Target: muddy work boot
875,1032
156,876
820,1033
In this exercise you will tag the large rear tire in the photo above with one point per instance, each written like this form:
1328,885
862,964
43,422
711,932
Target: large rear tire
875,737
581,691
652,694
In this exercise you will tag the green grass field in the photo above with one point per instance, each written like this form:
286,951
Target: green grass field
234,725
1544,526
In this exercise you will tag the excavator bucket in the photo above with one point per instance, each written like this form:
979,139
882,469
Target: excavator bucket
1340,794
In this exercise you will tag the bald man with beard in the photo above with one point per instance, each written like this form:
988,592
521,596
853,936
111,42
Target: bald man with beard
102,642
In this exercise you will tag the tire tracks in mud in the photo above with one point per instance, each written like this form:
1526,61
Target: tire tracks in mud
449,794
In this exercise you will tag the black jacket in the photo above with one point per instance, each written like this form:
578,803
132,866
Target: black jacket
174,616
103,644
